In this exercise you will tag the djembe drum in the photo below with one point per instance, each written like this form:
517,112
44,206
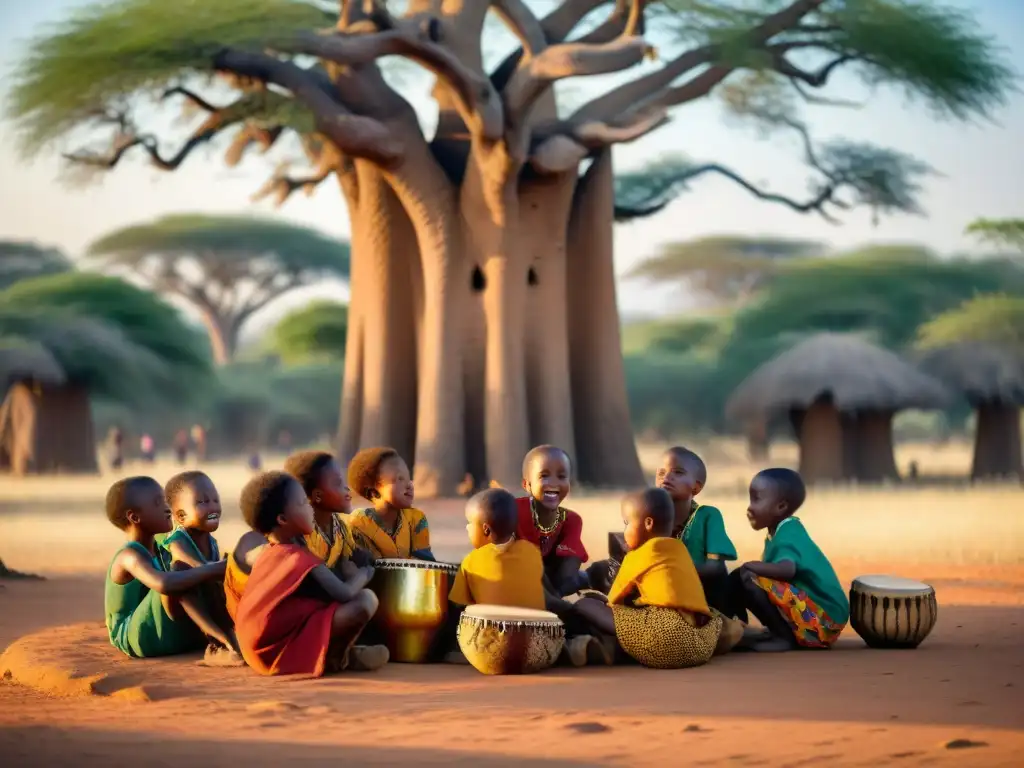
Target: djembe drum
413,610
892,612
500,640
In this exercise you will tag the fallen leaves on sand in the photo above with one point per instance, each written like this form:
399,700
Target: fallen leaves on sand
271,707
589,727
963,744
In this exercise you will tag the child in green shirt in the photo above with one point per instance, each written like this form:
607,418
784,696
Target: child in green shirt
700,527
793,589
143,617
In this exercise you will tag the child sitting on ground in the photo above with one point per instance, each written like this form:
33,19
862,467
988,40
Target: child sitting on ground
501,569
328,493
555,531
699,526
792,590
239,566
195,510
656,608
392,527
296,616
142,615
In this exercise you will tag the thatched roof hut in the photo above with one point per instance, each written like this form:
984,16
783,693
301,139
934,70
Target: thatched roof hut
841,393
991,378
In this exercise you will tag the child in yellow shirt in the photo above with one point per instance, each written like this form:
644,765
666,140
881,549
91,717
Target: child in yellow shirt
656,608
501,569
392,527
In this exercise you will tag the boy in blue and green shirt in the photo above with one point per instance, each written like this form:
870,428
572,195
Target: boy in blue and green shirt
699,526
793,589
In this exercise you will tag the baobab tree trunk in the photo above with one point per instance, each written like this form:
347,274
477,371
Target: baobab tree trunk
604,433
490,212
544,207
429,200
997,442
875,458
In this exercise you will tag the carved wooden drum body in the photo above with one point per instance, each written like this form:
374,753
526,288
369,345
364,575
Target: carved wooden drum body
892,612
499,640
413,608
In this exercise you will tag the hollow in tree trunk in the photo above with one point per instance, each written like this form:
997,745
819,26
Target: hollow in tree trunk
997,442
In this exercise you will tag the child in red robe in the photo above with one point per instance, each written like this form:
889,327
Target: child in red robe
296,616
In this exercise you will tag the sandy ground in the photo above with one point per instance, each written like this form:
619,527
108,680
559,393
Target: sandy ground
850,706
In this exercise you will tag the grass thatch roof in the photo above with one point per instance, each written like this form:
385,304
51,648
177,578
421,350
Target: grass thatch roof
857,374
22,360
980,372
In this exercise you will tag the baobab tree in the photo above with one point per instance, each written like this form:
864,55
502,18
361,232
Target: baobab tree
227,267
483,316
21,260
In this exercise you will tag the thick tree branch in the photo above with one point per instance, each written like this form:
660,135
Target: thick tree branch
560,23
645,90
353,134
536,73
417,41
523,23
561,152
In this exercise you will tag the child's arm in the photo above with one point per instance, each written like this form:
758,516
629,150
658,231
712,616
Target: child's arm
783,570
181,554
164,582
337,590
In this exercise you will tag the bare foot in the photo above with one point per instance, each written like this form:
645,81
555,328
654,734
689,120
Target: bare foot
773,645
367,658
730,636
219,656
577,650
455,657
601,651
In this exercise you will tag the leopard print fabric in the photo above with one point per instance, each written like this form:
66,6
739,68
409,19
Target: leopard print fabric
664,638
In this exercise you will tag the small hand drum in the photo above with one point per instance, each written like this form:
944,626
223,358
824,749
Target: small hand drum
413,597
891,612
500,640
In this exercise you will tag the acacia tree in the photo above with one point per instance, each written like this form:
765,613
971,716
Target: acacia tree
1007,233
728,269
314,333
21,260
227,267
465,343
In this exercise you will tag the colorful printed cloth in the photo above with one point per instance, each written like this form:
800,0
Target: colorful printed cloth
811,626
342,545
564,540
666,638
410,539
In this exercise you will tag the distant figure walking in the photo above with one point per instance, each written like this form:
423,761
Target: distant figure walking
181,445
255,462
148,448
115,445
199,442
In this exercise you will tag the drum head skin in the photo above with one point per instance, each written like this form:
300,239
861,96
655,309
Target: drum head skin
890,585
508,613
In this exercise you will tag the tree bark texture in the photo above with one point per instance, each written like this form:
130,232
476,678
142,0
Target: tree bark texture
47,430
997,442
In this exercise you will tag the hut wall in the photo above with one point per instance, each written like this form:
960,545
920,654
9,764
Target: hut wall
997,442
820,434
873,459
46,430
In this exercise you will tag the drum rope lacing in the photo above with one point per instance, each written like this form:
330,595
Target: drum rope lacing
549,628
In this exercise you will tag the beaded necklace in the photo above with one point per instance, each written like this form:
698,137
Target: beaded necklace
689,522
546,530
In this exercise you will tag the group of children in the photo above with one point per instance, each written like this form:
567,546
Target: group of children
292,596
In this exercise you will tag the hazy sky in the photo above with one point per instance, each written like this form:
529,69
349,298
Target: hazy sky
981,166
